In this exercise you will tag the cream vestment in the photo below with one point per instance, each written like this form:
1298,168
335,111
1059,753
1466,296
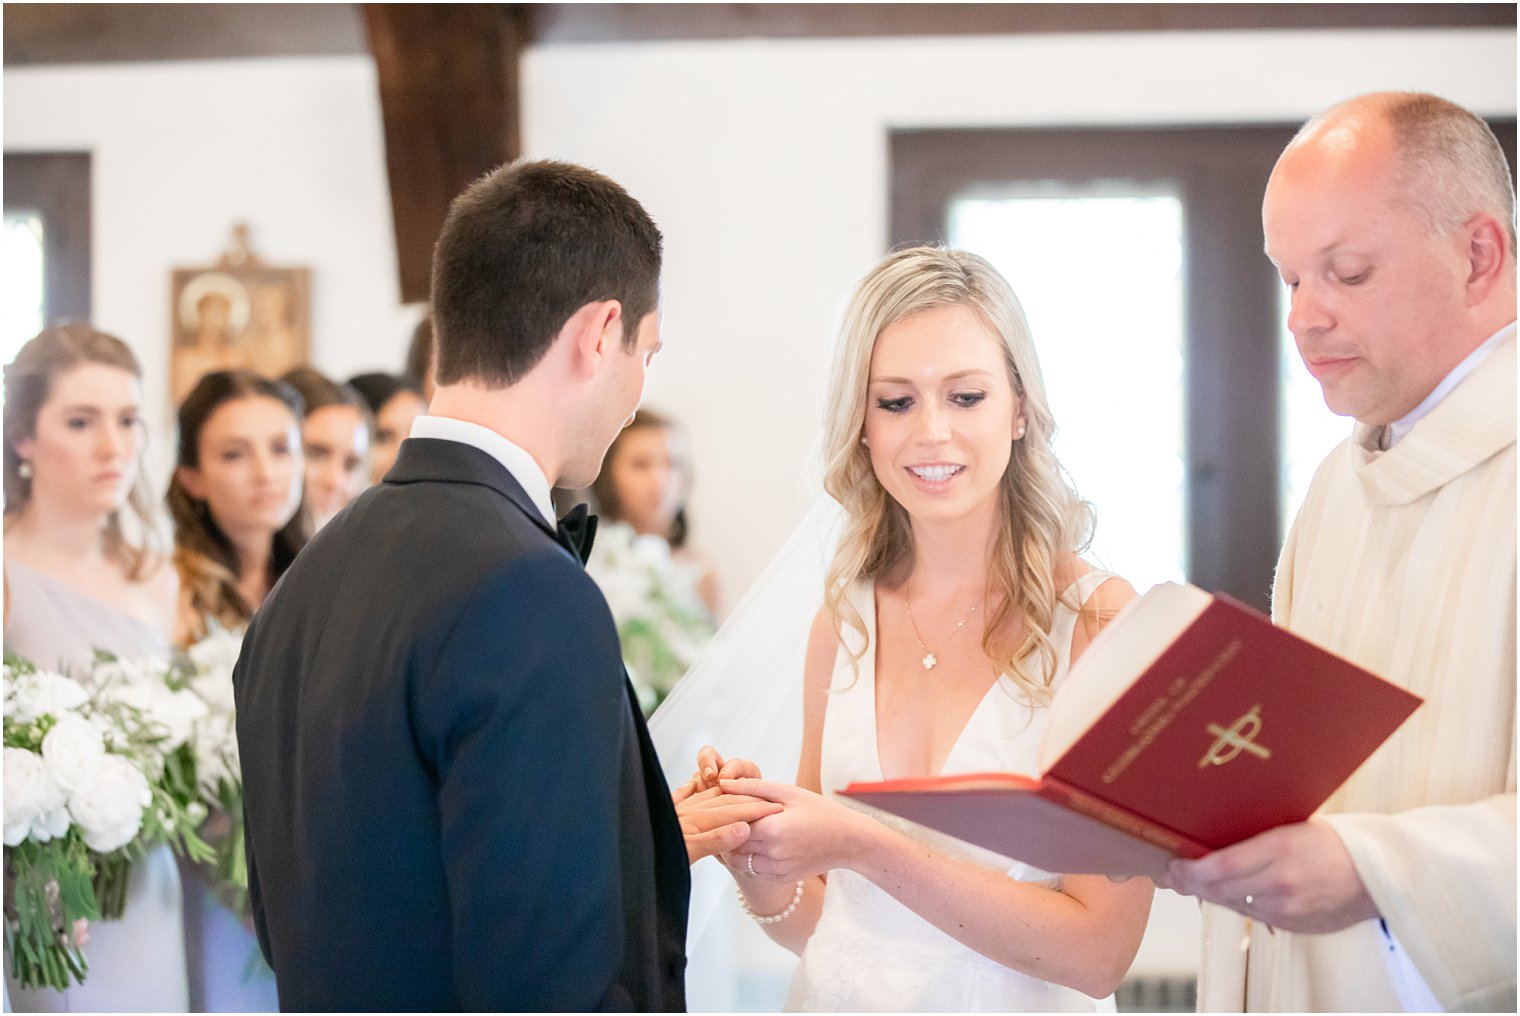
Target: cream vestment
1404,561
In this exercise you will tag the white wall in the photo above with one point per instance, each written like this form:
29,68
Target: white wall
764,162
181,151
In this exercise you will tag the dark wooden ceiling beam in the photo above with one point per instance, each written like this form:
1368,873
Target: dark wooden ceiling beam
99,33
569,23
109,33
449,100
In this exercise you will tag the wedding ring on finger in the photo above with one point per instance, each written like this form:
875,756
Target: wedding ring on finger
749,862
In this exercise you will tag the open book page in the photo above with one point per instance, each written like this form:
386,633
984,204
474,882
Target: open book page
1123,650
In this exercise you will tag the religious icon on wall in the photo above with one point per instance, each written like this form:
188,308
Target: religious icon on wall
239,312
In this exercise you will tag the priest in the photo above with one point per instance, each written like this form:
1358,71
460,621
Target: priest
1390,218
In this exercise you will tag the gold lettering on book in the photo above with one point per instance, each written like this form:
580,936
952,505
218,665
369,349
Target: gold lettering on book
1238,737
1152,711
1180,694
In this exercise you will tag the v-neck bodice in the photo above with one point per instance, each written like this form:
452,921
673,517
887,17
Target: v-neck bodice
869,951
1002,733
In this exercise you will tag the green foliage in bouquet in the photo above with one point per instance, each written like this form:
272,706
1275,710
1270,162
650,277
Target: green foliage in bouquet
50,889
661,620
659,649
95,778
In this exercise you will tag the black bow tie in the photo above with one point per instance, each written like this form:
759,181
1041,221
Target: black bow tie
577,531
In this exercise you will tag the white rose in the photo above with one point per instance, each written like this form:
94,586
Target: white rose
215,689
652,552
217,653
73,750
214,742
189,710
624,584
178,712
138,670
612,539
30,793
110,732
109,810
128,693
32,696
53,824
173,713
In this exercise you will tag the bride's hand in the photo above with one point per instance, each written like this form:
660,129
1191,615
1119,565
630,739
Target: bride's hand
809,836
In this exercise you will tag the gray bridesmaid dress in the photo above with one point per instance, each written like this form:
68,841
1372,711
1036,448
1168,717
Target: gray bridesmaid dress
136,963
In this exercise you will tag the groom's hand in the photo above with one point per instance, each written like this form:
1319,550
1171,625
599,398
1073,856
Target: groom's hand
711,768
713,822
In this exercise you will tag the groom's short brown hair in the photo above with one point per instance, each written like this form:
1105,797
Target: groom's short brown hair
522,250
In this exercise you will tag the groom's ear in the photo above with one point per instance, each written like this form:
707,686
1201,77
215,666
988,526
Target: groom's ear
592,333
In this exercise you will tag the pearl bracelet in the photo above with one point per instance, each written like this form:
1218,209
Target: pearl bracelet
791,908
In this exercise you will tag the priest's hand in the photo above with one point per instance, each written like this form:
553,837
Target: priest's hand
713,822
1296,877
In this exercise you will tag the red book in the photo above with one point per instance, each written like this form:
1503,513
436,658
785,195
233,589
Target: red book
1190,723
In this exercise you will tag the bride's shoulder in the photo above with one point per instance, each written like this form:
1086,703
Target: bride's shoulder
1100,585
1099,599
1069,568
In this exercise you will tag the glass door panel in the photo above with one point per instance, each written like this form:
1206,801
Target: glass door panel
1099,272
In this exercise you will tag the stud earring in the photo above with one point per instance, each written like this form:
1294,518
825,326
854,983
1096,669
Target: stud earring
24,469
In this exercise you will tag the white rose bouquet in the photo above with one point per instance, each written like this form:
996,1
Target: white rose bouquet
69,799
219,772
661,620
94,777
148,699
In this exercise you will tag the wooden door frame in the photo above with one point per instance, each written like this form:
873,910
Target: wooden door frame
1232,429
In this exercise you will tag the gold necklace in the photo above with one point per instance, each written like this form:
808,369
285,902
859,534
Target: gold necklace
931,658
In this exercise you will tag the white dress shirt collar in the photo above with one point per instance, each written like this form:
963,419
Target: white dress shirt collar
517,461
1396,430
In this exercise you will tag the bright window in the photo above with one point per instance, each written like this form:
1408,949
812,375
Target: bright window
21,265
1099,273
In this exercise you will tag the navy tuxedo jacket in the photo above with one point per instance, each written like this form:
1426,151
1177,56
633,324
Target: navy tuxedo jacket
452,801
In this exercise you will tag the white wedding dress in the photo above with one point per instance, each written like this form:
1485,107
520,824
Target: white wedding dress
869,953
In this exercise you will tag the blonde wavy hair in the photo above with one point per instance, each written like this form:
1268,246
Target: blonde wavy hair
135,535
1043,519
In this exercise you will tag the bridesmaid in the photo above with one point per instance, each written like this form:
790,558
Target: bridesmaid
239,521
236,498
395,400
645,482
335,438
86,568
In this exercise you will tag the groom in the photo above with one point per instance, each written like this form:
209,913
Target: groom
451,798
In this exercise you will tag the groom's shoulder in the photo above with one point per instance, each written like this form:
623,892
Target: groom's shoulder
411,558
439,518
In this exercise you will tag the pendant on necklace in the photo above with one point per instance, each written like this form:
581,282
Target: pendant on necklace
929,661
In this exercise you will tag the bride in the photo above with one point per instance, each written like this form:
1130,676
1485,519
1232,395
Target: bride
952,607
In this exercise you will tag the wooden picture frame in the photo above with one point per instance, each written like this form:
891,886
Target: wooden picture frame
237,313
